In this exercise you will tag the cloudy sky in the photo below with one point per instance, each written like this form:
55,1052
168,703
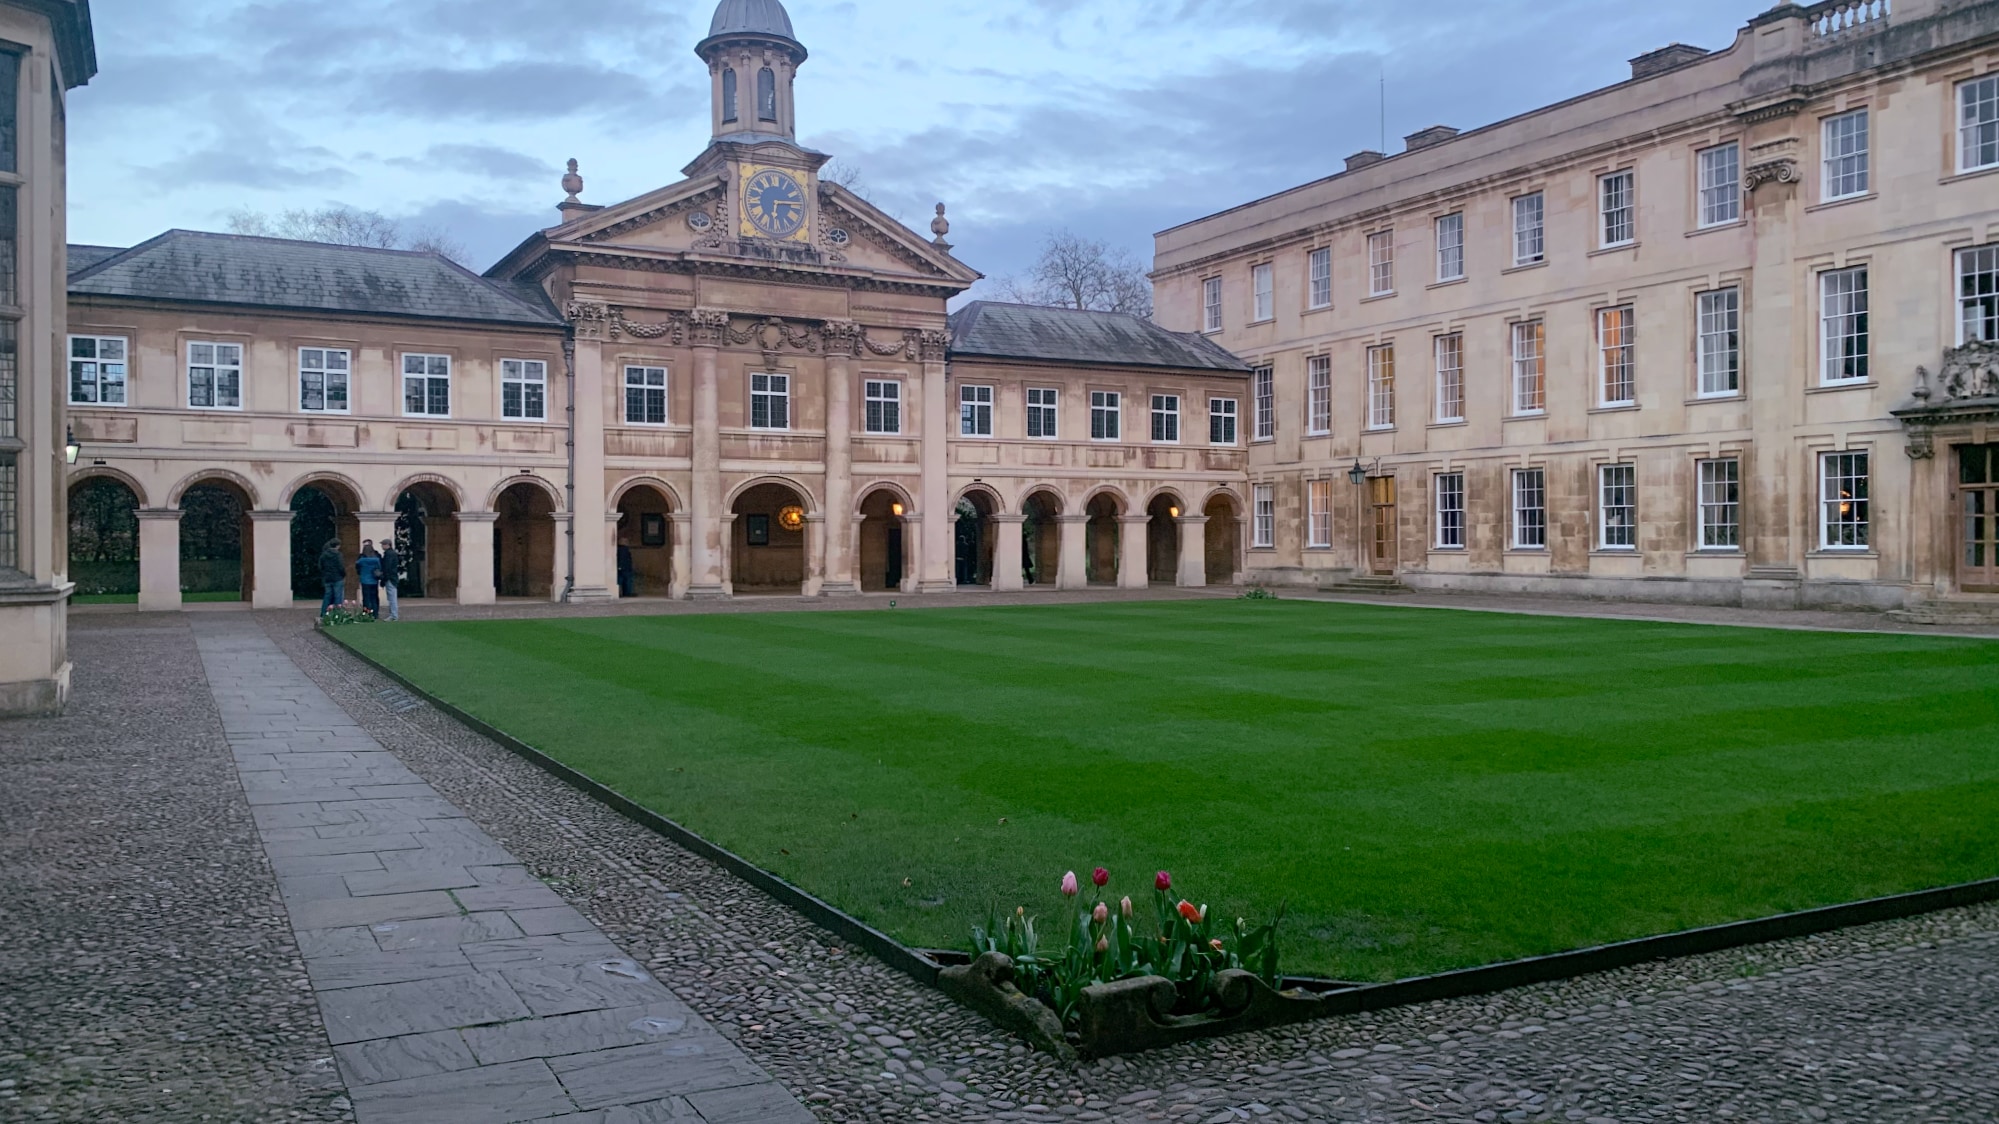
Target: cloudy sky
1114,118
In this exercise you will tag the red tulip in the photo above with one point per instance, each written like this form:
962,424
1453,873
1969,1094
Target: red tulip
1069,884
1162,881
1100,876
1188,911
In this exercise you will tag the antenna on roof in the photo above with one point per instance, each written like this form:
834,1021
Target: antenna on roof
1384,108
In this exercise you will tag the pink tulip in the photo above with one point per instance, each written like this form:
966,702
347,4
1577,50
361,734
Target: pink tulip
1100,914
1069,884
1162,881
1100,876
1216,944
1124,907
1103,944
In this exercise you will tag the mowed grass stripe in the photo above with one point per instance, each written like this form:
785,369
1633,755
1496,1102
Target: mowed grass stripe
1428,789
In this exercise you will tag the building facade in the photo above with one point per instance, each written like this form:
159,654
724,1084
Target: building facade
746,381
1721,333
46,49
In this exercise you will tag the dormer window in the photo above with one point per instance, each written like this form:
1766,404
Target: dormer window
729,93
766,95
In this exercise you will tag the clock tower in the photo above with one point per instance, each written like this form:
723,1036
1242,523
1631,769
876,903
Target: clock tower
752,59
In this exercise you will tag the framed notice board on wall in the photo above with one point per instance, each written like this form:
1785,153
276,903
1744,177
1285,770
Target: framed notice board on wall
756,530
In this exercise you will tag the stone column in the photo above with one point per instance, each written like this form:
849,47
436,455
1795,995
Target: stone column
681,523
1072,570
378,527
565,525
271,554
841,338
726,540
708,533
475,557
1131,566
1193,551
590,570
816,525
936,556
1006,553
610,548
159,557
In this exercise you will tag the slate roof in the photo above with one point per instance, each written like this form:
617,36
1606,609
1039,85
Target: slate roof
82,257
759,17
235,269
996,330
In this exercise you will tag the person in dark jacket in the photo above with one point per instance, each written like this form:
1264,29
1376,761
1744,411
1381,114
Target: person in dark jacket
392,566
368,567
332,575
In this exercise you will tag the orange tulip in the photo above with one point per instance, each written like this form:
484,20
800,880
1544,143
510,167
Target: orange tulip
1188,911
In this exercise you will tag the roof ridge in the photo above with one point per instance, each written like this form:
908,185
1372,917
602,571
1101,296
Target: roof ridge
129,251
231,236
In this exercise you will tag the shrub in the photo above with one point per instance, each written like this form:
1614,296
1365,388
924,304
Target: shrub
1256,593
347,612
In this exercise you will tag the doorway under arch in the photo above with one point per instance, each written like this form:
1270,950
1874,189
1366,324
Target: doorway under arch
1100,539
214,529
884,550
1162,539
427,541
323,511
644,560
767,545
973,538
1223,540
104,537
1041,538
524,542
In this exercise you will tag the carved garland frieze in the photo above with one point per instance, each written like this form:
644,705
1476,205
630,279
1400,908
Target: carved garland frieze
772,335
906,346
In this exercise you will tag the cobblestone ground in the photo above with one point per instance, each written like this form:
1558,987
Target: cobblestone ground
147,971
1890,1023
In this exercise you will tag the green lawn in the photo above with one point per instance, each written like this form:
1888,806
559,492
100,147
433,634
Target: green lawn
1428,789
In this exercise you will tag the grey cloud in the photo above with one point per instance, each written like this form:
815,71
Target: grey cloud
516,91
488,232
489,161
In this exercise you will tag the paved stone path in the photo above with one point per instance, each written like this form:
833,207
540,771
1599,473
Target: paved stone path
454,985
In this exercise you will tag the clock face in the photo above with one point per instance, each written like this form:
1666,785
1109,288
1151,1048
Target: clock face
774,203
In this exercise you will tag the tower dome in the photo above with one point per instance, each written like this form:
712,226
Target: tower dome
751,17
753,57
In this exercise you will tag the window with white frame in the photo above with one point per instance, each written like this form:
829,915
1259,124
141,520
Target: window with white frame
1451,247
1262,387
1720,184
645,395
1719,344
524,389
1843,325
1530,508
1381,387
1381,263
1845,155
1041,411
1450,355
97,370
1319,395
1530,372
1221,421
1451,511
1616,344
1166,418
1263,516
881,405
975,411
1104,408
1529,229
427,386
1978,124
1319,513
1261,292
1978,294
1616,202
1211,305
770,401
1319,277
1720,503
1843,501
214,376
1617,506
322,379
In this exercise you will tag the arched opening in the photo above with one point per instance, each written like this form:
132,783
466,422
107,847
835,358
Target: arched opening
524,542
1041,539
1224,540
104,538
1100,539
214,526
884,549
766,95
323,511
974,539
644,563
729,94
767,551
1162,539
427,541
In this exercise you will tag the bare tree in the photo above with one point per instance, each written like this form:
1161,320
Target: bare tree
1078,272
345,226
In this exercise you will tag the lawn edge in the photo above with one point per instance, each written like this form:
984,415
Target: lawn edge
1334,997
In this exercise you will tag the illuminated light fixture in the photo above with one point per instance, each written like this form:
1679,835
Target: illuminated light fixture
1173,513
71,450
895,509
791,517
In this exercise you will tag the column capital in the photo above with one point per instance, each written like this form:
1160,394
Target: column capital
613,515
931,343
477,516
706,327
815,517
375,516
842,337
1192,520
1134,520
1016,519
255,516
1078,519
164,513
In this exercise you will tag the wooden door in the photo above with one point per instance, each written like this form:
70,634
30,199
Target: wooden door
1381,502
1978,518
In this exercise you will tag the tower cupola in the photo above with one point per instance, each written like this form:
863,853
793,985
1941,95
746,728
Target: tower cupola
752,58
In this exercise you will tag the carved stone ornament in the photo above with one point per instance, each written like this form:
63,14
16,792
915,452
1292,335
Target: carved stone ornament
1780,170
591,320
673,329
905,345
772,335
932,345
699,220
841,337
706,327
1969,371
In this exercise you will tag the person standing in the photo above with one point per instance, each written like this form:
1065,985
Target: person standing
368,567
392,567
332,576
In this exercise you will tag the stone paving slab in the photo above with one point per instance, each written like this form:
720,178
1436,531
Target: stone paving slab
453,984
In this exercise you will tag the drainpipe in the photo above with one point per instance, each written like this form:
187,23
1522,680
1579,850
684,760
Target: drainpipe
569,449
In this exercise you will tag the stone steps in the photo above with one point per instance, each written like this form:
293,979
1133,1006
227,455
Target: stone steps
1949,612
1363,583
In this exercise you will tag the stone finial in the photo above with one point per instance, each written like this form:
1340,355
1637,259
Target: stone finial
940,226
572,183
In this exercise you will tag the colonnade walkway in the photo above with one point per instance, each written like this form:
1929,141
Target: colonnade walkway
454,985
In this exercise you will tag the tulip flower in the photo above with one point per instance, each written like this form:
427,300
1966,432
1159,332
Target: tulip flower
1100,876
1103,944
1100,914
1188,911
1124,907
1216,944
1069,884
1162,881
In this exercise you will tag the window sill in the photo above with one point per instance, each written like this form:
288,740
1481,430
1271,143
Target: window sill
1619,248
1526,415
1211,331
1528,551
1615,408
1836,387
1372,297
1969,173
1447,282
1614,552
305,413
1730,225
220,409
1309,309
98,405
1703,399
1454,423
1312,433
1843,552
1263,440
1524,266
1447,550
1266,549
1715,552
628,424
1842,201
1379,429
1261,320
